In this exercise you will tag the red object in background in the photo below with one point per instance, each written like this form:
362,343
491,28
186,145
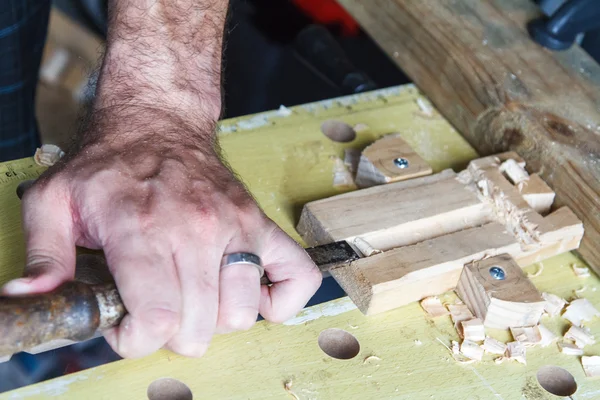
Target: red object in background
328,12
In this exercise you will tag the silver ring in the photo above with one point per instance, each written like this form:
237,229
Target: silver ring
243,258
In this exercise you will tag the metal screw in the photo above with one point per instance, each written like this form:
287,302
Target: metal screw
497,273
401,163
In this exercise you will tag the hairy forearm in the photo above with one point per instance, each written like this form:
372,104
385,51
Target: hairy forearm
164,54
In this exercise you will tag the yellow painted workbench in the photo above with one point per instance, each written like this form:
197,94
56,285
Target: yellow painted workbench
286,161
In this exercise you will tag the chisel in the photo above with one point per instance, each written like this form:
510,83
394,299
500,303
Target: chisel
76,310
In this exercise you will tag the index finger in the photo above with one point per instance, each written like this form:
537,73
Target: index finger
295,278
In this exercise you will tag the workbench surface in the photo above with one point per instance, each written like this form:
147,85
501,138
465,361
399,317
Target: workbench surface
286,161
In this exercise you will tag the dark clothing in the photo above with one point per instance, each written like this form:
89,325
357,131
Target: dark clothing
23,26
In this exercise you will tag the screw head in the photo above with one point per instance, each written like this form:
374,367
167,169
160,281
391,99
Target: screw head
497,273
401,162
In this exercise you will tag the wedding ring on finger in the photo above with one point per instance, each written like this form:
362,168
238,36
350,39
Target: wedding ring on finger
243,258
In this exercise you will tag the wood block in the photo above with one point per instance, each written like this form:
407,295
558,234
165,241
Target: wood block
443,222
512,301
396,214
389,159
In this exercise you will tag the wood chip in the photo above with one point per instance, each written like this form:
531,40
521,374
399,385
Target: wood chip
516,351
547,336
455,347
48,155
351,160
581,272
434,307
473,330
569,349
371,358
540,269
554,304
591,366
514,171
580,311
581,336
364,247
527,335
342,178
459,313
493,346
471,350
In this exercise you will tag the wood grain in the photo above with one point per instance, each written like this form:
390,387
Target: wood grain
476,63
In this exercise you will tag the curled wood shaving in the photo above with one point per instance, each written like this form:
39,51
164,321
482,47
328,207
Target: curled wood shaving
581,272
527,335
287,385
554,304
580,311
371,358
364,247
591,366
516,351
569,349
547,336
48,155
493,346
538,272
581,336
434,307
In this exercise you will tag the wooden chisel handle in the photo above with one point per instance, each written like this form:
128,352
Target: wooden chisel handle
73,311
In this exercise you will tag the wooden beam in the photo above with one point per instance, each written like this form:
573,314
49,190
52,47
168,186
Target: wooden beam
476,62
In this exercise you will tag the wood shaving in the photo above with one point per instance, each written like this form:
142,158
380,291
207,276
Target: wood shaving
473,330
581,336
364,247
580,311
455,347
371,358
516,351
493,346
434,307
500,360
341,176
569,349
554,304
547,336
459,313
425,107
287,385
471,350
418,342
514,171
577,292
455,351
581,272
527,335
538,272
48,155
591,366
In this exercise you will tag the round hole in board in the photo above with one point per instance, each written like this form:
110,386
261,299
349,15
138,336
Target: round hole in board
556,380
338,131
169,389
338,343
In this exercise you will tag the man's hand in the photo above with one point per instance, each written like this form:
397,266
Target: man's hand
146,185
165,214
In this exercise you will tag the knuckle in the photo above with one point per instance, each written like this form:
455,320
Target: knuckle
241,319
161,322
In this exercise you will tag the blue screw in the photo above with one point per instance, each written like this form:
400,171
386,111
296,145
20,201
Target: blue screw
497,273
401,163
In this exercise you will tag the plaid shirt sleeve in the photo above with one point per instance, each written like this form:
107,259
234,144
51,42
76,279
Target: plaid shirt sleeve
23,26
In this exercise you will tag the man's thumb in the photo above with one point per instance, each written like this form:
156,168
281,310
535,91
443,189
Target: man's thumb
48,226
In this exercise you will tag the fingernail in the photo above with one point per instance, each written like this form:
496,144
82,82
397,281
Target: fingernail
17,287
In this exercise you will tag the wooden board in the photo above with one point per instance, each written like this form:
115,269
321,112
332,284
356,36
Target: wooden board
476,62
286,163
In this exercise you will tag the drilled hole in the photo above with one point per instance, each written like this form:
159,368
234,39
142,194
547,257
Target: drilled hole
557,381
338,131
338,343
169,389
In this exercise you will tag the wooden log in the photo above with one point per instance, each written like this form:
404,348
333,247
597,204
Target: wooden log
477,64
